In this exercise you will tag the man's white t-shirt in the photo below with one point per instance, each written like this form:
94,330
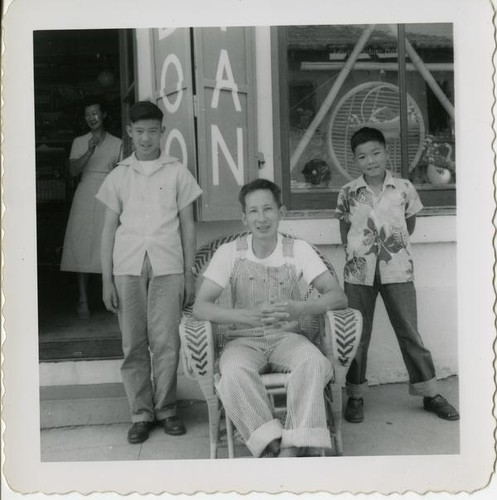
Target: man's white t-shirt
308,264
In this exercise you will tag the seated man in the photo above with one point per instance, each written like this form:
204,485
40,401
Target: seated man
263,270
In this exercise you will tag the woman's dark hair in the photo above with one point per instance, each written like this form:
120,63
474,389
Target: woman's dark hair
255,186
90,100
366,134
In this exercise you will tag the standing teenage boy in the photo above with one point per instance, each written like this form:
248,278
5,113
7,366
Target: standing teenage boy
148,250
377,213
263,270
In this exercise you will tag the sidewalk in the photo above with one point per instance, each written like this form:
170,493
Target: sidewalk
395,424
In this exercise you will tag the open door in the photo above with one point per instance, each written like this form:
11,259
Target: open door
69,64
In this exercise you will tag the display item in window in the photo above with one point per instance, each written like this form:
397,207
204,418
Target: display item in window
374,104
317,172
437,156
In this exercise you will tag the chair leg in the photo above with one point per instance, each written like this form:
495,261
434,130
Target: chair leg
214,421
336,412
229,436
339,444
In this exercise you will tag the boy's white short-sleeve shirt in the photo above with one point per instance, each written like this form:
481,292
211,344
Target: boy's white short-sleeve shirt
307,262
148,201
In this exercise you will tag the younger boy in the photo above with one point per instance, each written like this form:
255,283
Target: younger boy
148,251
377,214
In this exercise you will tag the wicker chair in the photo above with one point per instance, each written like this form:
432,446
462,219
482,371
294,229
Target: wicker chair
336,333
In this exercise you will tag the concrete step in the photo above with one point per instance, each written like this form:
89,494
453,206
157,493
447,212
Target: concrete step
72,405
91,393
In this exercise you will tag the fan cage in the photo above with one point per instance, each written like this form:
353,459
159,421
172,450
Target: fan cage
374,104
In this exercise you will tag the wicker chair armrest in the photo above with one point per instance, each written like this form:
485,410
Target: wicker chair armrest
343,330
198,352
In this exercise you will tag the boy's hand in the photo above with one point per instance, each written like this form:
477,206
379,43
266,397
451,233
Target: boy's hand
189,295
109,294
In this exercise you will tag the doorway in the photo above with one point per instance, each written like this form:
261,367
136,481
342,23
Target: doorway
69,65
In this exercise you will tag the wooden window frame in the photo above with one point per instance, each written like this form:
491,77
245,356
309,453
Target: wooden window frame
128,69
433,197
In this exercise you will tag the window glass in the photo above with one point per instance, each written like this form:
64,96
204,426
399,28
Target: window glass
430,80
343,77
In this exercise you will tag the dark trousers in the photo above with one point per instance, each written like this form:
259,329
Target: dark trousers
400,303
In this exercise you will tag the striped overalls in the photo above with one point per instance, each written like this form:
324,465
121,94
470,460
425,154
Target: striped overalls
244,359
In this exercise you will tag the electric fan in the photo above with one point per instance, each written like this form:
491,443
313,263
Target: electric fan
374,104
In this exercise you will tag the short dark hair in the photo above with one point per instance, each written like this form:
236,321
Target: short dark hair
255,186
145,110
90,100
366,134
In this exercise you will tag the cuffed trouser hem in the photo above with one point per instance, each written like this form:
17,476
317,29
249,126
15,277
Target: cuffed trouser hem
166,414
427,388
356,390
141,418
319,438
263,435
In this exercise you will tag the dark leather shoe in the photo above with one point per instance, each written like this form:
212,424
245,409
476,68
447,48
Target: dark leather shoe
139,432
439,405
354,411
173,426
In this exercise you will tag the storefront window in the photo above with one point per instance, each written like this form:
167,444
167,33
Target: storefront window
336,79
430,80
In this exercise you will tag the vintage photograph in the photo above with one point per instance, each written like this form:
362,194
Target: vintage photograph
243,240
363,121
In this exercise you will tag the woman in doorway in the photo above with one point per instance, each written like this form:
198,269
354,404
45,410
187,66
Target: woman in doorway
93,156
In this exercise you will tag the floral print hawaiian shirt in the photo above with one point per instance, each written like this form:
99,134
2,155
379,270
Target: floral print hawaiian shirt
378,231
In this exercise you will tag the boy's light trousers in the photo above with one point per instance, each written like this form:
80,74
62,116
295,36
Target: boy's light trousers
149,316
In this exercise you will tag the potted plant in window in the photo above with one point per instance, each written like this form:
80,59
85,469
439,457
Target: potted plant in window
437,156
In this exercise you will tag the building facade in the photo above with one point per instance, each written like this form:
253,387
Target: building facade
242,103
281,103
